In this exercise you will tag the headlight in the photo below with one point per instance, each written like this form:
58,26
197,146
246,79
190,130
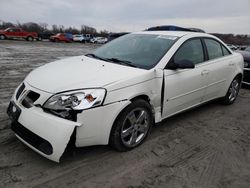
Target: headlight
245,64
76,100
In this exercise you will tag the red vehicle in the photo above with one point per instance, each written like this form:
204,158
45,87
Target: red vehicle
13,32
62,37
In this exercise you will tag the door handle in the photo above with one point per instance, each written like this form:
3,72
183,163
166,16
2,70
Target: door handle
204,72
231,64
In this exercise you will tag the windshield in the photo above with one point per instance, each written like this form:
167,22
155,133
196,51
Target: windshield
248,49
139,50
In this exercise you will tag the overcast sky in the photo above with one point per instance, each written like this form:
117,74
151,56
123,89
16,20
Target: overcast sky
223,16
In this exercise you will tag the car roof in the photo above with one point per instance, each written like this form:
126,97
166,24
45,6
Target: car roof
174,33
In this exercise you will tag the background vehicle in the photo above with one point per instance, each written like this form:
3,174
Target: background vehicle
197,30
99,40
88,37
232,47
62,37
79,38
246,56
113,36
45,35
173,28
15,33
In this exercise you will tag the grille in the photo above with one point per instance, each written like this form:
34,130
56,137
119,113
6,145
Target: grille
31,138
30,98
19,91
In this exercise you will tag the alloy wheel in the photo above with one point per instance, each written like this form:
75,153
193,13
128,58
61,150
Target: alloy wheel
135,127
233,90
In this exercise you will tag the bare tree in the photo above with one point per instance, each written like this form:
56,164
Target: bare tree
44,26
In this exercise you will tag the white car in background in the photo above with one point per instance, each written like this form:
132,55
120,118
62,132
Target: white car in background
232,47
115,94
99,40
78,38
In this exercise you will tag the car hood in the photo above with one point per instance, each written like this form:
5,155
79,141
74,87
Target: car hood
79,72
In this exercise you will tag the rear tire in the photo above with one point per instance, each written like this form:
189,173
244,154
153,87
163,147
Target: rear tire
29,38
232,92
132,126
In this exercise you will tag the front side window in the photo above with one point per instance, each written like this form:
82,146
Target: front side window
214,49
191,50
140,50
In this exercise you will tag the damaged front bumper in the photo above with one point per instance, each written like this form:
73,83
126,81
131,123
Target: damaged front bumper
46,134
43,132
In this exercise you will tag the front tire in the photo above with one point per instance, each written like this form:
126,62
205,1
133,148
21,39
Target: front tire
132,126
2,37
232,92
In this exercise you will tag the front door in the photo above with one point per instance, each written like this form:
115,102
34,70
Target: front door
185,88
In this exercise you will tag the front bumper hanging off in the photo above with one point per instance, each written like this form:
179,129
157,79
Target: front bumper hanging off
46,134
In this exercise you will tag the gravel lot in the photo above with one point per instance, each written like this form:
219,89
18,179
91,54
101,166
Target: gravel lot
205,147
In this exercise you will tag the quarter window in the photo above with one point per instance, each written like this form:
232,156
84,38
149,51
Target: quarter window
214,48
225,51
191,50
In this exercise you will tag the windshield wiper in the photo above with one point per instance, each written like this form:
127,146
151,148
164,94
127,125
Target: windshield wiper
114,60
97,57
123,62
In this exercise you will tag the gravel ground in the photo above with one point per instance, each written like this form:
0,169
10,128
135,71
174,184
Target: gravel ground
206,147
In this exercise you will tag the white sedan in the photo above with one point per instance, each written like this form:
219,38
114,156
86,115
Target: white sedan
114,95
99,40
78,38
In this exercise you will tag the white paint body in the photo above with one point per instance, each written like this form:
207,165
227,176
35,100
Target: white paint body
183,89
78,38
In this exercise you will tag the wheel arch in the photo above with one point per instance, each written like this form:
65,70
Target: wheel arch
143,97
240,75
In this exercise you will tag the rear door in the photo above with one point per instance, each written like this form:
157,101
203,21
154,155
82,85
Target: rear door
219,68
185,88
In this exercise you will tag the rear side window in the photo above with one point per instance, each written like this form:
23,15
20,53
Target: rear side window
191,50
214,48
225,51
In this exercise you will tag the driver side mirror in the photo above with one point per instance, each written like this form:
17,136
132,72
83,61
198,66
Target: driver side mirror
182,64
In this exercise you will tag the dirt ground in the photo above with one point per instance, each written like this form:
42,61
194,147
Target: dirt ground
206,147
